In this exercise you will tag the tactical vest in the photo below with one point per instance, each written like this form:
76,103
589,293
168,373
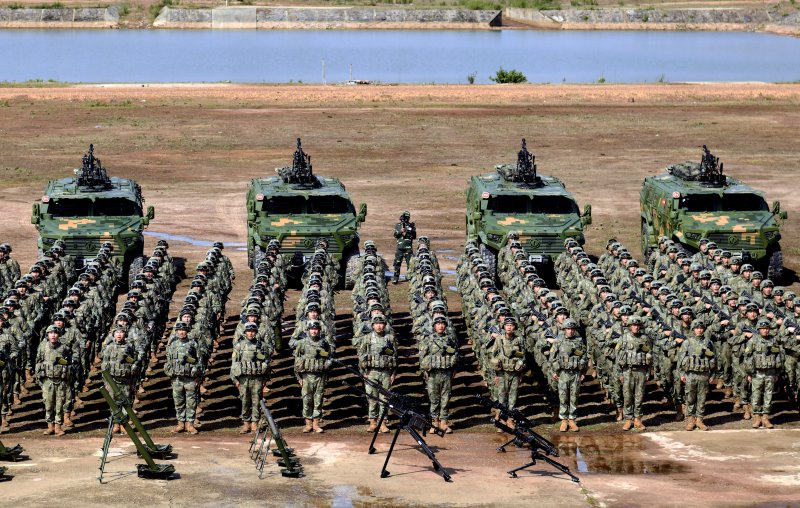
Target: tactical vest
637,355
56,363
313,357
185,361
766,355
380,353
440,355
251,360
121,361
570,355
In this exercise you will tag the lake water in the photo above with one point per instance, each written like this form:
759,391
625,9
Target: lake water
394,56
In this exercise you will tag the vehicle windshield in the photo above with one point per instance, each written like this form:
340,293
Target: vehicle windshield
96,208
329,204
725,203
285,205
515,204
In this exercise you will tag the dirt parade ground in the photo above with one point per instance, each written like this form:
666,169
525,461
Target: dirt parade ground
194,150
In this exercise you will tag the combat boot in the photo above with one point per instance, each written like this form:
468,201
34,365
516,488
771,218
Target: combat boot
510,423
737,405
573,427
3,424
747,413
627,425
116,429
384,429
679,415
58,431
317,428
373,425
690,423
446,427
28,376
619,414
203,390
17,402
434,426
728,392
720,385
190,428
700,424
50,429
765,421
67,421
245,428
308,428
637,423
756,421
563,427
181,427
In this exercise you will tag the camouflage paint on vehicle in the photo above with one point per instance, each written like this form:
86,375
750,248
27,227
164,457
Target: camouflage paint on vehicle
687,207
292,210
86,213
547,213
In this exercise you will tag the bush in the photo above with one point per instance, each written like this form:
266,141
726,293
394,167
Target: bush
510,76
471,77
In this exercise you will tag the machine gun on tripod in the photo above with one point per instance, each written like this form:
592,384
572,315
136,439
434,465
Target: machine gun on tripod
540,447
411,421
121,413
267,431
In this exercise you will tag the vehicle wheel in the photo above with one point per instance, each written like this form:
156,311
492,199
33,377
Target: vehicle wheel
646,248
349,270
775,267
258,257
489,259
135,268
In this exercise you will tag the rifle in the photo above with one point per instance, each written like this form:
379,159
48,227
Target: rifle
411,421
540,447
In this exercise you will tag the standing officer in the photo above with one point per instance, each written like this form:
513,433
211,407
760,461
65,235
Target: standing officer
405,232
184,367
313,356
696,362
249,373
634,361
120,360
9,350
507,359
55,366
438,359
764,360
377,359
568,358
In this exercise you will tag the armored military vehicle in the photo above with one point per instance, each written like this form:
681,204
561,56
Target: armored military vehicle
516,199
692,201
297,208
90,209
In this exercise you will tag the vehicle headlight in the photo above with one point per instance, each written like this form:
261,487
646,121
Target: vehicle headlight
693,236
494,237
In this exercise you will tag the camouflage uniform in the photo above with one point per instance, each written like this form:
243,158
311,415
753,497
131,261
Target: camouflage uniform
763,363
404,232
634,361
120,359
55,367
568,359
313,356
508,362
696,361
249,369
438,358
377,358
184,367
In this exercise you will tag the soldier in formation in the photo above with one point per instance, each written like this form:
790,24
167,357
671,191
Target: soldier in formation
373,335
315,345
193,341
437,344
708,318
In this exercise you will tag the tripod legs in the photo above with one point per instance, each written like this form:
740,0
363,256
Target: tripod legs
537,455
384,472
384,414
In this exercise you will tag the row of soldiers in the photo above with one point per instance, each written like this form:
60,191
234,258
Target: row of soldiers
258,333
373,335
685,330
194,338
63,336
129,349
551,337
314,339
437,342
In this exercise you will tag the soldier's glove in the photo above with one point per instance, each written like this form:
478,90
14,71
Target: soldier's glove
708,353
577,352
388,351
645,349
128,359
61,361
451,350
519,354
322,353
774,350
261,357
190,360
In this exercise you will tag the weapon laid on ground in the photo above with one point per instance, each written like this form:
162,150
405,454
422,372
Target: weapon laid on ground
540,448
267,432
402,406
121,413
11,454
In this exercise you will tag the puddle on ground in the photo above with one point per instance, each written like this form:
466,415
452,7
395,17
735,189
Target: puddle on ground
447,272
191,241
613,454
343,496
452,288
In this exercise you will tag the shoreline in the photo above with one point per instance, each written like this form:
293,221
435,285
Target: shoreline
762,20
